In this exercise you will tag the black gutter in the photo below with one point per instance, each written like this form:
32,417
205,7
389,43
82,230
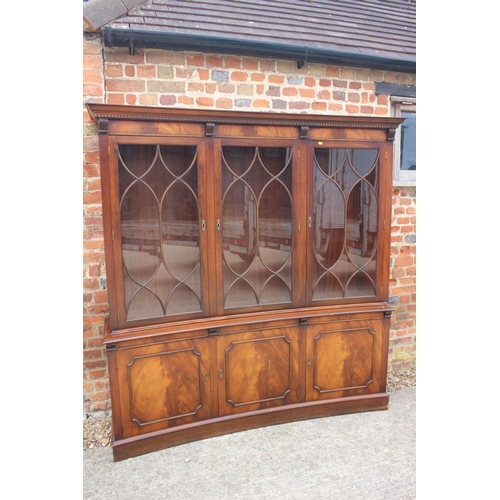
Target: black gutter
135,39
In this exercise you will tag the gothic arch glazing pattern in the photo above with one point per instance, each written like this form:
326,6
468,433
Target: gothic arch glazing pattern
346,209
159,214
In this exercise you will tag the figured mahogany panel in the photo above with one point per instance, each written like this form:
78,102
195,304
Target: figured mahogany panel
258,370
344,359
163,385
149,128
263,131
347,134
352,366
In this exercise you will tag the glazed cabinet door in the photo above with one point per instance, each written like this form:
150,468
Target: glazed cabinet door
258,369
349,221
257,238
345,358
164,385
159,240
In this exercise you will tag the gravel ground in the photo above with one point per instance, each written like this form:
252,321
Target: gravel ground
97,431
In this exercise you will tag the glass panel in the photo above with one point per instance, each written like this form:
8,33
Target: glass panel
408,141
360,284
328,286
257,225
345,221
361,227
159,215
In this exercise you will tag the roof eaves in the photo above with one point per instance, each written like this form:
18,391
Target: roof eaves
159,39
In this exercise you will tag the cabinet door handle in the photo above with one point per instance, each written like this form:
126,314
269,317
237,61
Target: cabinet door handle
218,224
203,225
309,222
308,360
206,376
220,373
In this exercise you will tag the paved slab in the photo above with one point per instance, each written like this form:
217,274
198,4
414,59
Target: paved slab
364,456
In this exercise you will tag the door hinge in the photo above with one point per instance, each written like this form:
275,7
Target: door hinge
109,150
113,234
386,154
299,154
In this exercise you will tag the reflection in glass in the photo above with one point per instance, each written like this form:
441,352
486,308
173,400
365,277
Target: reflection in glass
345,221
159,216
257,225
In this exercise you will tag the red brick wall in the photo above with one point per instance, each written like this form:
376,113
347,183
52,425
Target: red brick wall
191,80
402,285
161,78
95,374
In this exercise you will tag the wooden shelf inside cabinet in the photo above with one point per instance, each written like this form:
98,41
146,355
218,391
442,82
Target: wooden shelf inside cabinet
247,257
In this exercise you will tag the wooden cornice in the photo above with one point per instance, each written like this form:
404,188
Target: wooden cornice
161,114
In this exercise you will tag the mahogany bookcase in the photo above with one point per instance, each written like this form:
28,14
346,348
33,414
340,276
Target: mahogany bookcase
247,262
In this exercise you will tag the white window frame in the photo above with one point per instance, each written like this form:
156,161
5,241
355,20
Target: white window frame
402,177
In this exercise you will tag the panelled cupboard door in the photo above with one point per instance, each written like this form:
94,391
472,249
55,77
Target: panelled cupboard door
344,358
160,252
258,369
164,385
259,254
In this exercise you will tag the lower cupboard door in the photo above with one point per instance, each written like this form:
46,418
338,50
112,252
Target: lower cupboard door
258,370
344,359
164,385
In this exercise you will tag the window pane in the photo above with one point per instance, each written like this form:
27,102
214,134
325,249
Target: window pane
408,141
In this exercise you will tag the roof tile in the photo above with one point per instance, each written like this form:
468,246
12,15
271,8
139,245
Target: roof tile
378,28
